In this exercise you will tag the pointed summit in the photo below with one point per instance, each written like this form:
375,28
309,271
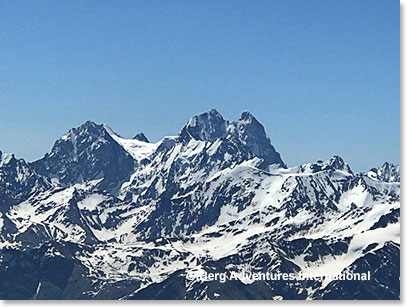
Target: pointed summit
5,158
88,152
246,134
141,137
207,126
18,181
252,133
388,172
248,124
247,116
336,163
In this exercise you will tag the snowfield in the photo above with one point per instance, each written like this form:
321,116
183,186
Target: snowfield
130,219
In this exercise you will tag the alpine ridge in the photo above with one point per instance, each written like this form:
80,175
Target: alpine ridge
105,217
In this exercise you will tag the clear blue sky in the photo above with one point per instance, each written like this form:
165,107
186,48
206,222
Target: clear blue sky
322,76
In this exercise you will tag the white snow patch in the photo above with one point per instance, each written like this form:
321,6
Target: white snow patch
5,159
91,202
137,149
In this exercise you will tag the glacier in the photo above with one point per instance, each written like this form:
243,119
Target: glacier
105,217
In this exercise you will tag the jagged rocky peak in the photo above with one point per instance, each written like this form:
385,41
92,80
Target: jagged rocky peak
336,163
17,181
9,161
207,126
5,158
87,137
141,137
194,205
210,126
247,134
88,152
88,130
248,117
250,125
388,172
253,135
69,147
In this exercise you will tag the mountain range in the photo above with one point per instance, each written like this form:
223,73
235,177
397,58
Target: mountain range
105,217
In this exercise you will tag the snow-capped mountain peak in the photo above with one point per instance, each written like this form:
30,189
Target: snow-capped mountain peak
247,135
249,131
336,163
5,158
207,126
388,172
125,218
88,152
141,137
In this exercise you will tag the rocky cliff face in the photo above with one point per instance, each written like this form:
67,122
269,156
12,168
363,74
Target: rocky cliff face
103,217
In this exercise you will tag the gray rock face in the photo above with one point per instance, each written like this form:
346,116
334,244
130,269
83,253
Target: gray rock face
207,126
388,172
141,137
84,154
103,217
18,180
336,163
246,134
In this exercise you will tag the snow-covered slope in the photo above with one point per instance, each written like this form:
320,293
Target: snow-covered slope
387,172
129,219
18,180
